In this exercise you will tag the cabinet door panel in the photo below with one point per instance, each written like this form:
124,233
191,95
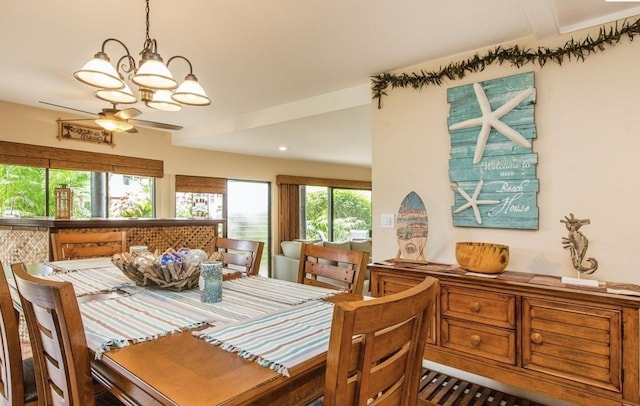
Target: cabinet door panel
577,342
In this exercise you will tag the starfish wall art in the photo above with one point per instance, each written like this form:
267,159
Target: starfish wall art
492,167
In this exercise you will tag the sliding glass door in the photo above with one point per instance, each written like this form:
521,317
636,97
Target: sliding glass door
248,208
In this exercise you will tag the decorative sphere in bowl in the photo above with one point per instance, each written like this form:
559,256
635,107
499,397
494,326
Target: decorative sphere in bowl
482,257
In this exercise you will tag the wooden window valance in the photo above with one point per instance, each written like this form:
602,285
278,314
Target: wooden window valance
336,183
13,153
200,184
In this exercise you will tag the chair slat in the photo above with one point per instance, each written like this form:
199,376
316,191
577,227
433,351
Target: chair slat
76,245
333,268
385,367
241,253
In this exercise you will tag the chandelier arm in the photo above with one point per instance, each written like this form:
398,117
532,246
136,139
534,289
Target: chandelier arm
104,44
127,67
181,57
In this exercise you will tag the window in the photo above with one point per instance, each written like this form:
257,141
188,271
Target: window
244,204
22,191
131,196
335,214
339,211
199,205
29,191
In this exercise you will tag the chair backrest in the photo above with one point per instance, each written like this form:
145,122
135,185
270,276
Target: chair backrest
333,268
58,343
381,365
11,379
242,253
88,245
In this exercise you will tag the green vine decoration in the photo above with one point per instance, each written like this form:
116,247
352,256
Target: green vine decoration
515,55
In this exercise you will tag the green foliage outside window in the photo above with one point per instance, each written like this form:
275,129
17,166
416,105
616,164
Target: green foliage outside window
351,211
22,191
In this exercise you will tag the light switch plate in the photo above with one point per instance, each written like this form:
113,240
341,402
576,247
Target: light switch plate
387,221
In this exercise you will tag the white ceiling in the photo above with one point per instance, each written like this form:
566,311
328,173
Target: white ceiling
279,72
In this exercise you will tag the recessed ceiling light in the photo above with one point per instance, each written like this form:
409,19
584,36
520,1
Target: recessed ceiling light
283,148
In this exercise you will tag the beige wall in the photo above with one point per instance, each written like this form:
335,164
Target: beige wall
588,150
38,126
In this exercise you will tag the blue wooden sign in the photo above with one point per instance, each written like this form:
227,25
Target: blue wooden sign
492,167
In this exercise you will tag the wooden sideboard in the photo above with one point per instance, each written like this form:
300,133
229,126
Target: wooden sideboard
574,343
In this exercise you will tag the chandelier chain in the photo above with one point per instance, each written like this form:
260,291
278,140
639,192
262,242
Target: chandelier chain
147,11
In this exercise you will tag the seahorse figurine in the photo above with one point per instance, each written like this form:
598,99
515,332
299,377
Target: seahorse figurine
577,244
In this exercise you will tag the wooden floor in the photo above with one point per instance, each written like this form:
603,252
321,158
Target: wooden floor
439,389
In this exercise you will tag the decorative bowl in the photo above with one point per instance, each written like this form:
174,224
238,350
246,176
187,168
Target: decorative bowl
172,270
482,257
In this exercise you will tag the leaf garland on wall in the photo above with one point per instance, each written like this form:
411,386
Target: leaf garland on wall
515,55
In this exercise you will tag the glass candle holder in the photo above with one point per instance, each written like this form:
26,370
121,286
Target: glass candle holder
211,273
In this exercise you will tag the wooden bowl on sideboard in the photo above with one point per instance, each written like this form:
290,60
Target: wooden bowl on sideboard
482,257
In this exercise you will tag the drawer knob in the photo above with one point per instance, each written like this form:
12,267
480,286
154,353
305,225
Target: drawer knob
536,338
475,307
475,340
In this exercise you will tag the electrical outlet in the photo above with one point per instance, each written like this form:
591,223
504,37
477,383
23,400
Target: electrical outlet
387,221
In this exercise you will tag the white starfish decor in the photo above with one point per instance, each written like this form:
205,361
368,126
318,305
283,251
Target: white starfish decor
473,202
491,119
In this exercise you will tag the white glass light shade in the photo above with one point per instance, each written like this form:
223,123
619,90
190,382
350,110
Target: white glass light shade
117,126
99,72
117,96
190,92
153,74
162,101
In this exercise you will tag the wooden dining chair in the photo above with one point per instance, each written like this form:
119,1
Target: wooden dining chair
17,376
241,253
58,343
333,268
381,365
88,245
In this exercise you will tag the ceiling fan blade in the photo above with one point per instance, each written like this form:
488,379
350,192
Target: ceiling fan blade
132,130
128,113
71,120
68,108
145,123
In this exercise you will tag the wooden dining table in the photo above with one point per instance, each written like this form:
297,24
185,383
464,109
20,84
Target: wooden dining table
182,369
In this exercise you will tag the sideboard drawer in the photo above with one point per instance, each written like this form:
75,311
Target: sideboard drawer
578,342
496,309
477,339
390,284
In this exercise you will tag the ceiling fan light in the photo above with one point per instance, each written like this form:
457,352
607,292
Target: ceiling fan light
117,96
117,126
153,73
191,93
162,101
99,72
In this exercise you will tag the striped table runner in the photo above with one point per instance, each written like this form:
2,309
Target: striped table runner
92,280
80,264
278,341
277,290
144,316
150,314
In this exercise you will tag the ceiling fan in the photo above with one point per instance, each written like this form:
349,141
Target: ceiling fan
113,119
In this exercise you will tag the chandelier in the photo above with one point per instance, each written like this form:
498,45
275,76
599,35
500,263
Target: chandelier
156,85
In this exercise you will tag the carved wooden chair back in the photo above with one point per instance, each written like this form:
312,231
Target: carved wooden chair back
333,268
17,378
382,365
88,245
241,253
58,342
